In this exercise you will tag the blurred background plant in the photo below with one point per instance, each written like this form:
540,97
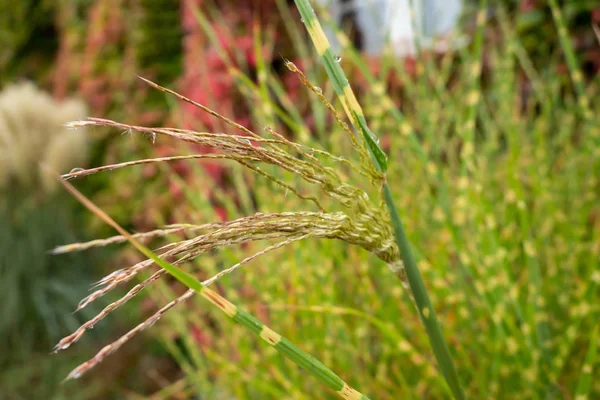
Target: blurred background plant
38,291
534,25
495,158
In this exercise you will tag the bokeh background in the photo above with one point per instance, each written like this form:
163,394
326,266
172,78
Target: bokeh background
509,251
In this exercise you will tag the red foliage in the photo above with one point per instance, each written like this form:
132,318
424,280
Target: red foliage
206,76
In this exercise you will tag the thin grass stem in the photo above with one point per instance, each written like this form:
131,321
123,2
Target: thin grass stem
355,113
280,343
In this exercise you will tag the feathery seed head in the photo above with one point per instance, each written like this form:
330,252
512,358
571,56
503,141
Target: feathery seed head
358,220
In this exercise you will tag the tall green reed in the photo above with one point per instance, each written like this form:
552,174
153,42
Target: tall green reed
409,269
281,344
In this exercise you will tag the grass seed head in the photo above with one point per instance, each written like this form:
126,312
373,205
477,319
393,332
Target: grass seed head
361,221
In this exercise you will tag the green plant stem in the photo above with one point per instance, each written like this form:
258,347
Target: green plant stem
356,115
424,306
280,343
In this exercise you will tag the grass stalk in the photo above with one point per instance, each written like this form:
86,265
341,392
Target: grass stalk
280,343
355,113
571,58
585,380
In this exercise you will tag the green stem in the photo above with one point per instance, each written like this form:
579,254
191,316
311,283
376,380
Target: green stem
280,343
356,115
424,306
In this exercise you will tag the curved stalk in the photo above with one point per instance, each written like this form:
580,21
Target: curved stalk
356,115
272,338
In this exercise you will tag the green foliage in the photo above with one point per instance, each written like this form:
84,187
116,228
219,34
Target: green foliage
534,25
38,377
281,344
23,32
159,37
158,42
39,290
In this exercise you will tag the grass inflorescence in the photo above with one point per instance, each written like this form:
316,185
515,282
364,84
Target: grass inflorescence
363,222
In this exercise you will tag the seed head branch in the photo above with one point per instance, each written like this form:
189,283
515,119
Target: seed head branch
111,348
362,223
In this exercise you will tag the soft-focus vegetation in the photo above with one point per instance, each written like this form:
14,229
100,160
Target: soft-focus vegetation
38,291
493,158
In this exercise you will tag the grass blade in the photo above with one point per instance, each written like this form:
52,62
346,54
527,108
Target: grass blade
571,58
340,83
585,380
355,113
280,343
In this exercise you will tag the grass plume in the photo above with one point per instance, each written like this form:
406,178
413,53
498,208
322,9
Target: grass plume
358,220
